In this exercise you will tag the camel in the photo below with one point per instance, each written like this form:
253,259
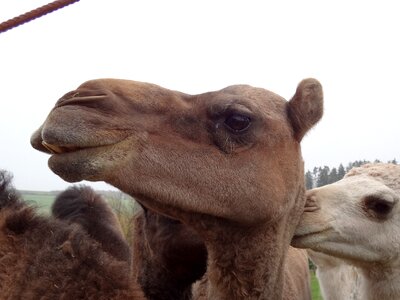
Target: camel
81,205
357,219
226,163
166,274
337,279
45,258
168,257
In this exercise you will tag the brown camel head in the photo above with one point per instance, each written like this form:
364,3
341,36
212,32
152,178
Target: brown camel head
231,154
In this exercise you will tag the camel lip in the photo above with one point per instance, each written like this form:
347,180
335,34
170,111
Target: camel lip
300,236
56,149
64,149
303,236
56,146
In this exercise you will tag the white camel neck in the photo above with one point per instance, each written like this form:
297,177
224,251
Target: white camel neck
380,282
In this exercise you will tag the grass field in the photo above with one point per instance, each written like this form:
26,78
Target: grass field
44,200
315,291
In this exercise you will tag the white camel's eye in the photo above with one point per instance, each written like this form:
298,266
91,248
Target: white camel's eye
237,123
377,207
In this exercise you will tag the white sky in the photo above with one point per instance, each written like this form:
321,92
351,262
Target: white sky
352,47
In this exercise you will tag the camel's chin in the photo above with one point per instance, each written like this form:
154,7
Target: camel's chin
92,164
332,243
74,167
355,254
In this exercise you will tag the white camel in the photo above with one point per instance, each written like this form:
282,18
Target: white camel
357,219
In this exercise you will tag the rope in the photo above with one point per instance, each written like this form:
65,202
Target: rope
34,14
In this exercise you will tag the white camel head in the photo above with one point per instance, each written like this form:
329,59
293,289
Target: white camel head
356,218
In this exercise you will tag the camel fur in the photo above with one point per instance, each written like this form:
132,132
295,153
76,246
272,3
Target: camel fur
168,257
46,258
226,163
357,219
337,279
81,205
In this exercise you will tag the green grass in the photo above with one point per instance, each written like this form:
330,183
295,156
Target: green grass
42,200
315,291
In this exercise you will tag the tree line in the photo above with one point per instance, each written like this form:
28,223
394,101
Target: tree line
324,175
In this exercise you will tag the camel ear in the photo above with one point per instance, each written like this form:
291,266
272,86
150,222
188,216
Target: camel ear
306,107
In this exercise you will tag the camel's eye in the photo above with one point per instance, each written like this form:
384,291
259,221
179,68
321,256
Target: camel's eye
237,123
377,207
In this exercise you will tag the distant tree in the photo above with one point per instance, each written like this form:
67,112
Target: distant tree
323,176
309,180
311,266
341,172
355,164
315,172
333,176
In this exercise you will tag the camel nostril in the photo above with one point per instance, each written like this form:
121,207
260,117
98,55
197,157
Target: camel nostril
311,203
81,97
312,198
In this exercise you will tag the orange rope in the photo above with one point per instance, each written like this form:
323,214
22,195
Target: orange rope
34,14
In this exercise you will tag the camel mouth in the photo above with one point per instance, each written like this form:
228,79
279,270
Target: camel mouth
304,238
311,233
305,235
55,149
64,150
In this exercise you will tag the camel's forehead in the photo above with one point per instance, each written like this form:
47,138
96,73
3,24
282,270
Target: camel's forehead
124,85
240,90
128,88
253,93
256,99
116,84
359,186
359,182
387,174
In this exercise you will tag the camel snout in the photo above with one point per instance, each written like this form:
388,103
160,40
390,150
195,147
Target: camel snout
37,141
311,204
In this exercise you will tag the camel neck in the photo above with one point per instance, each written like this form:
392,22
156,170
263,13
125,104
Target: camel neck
380,282
247,263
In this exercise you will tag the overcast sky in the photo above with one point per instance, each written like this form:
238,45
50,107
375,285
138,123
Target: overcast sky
352,47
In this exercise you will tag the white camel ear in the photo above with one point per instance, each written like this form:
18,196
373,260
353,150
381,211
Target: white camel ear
305,109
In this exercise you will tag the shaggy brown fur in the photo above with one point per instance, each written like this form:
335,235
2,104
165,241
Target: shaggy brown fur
83,206
44,258
227,163
168,256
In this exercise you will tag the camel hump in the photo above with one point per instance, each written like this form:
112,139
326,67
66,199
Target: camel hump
8,194
82,205
75,202
305,109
